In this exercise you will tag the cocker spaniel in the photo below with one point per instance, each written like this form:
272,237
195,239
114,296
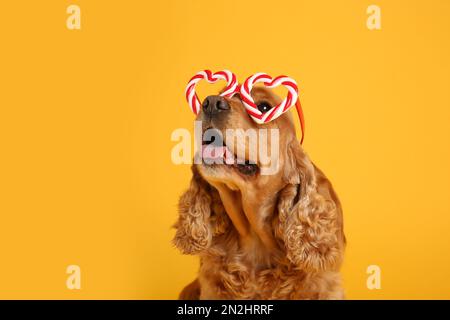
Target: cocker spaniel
259,236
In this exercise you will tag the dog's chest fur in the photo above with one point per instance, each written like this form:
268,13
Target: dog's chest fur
230,270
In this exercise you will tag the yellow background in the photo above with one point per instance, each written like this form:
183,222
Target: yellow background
86,117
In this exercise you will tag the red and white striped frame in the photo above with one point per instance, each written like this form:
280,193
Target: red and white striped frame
269,82
191,95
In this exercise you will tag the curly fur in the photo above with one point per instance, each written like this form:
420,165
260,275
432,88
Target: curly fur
304,218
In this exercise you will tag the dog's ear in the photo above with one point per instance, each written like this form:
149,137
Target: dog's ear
201,216
309,221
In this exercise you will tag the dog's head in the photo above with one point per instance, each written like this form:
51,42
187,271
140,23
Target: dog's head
237,151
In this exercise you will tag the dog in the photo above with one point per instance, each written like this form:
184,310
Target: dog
260,236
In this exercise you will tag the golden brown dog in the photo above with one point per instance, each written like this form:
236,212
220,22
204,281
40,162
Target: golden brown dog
274,236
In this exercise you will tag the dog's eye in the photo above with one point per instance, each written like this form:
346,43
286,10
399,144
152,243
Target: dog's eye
264,107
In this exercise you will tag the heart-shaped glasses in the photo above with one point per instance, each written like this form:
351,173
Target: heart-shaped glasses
245,93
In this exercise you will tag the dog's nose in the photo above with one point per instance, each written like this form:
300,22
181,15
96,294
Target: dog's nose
215,104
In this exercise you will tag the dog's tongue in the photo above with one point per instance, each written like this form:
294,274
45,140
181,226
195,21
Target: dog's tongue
213,152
